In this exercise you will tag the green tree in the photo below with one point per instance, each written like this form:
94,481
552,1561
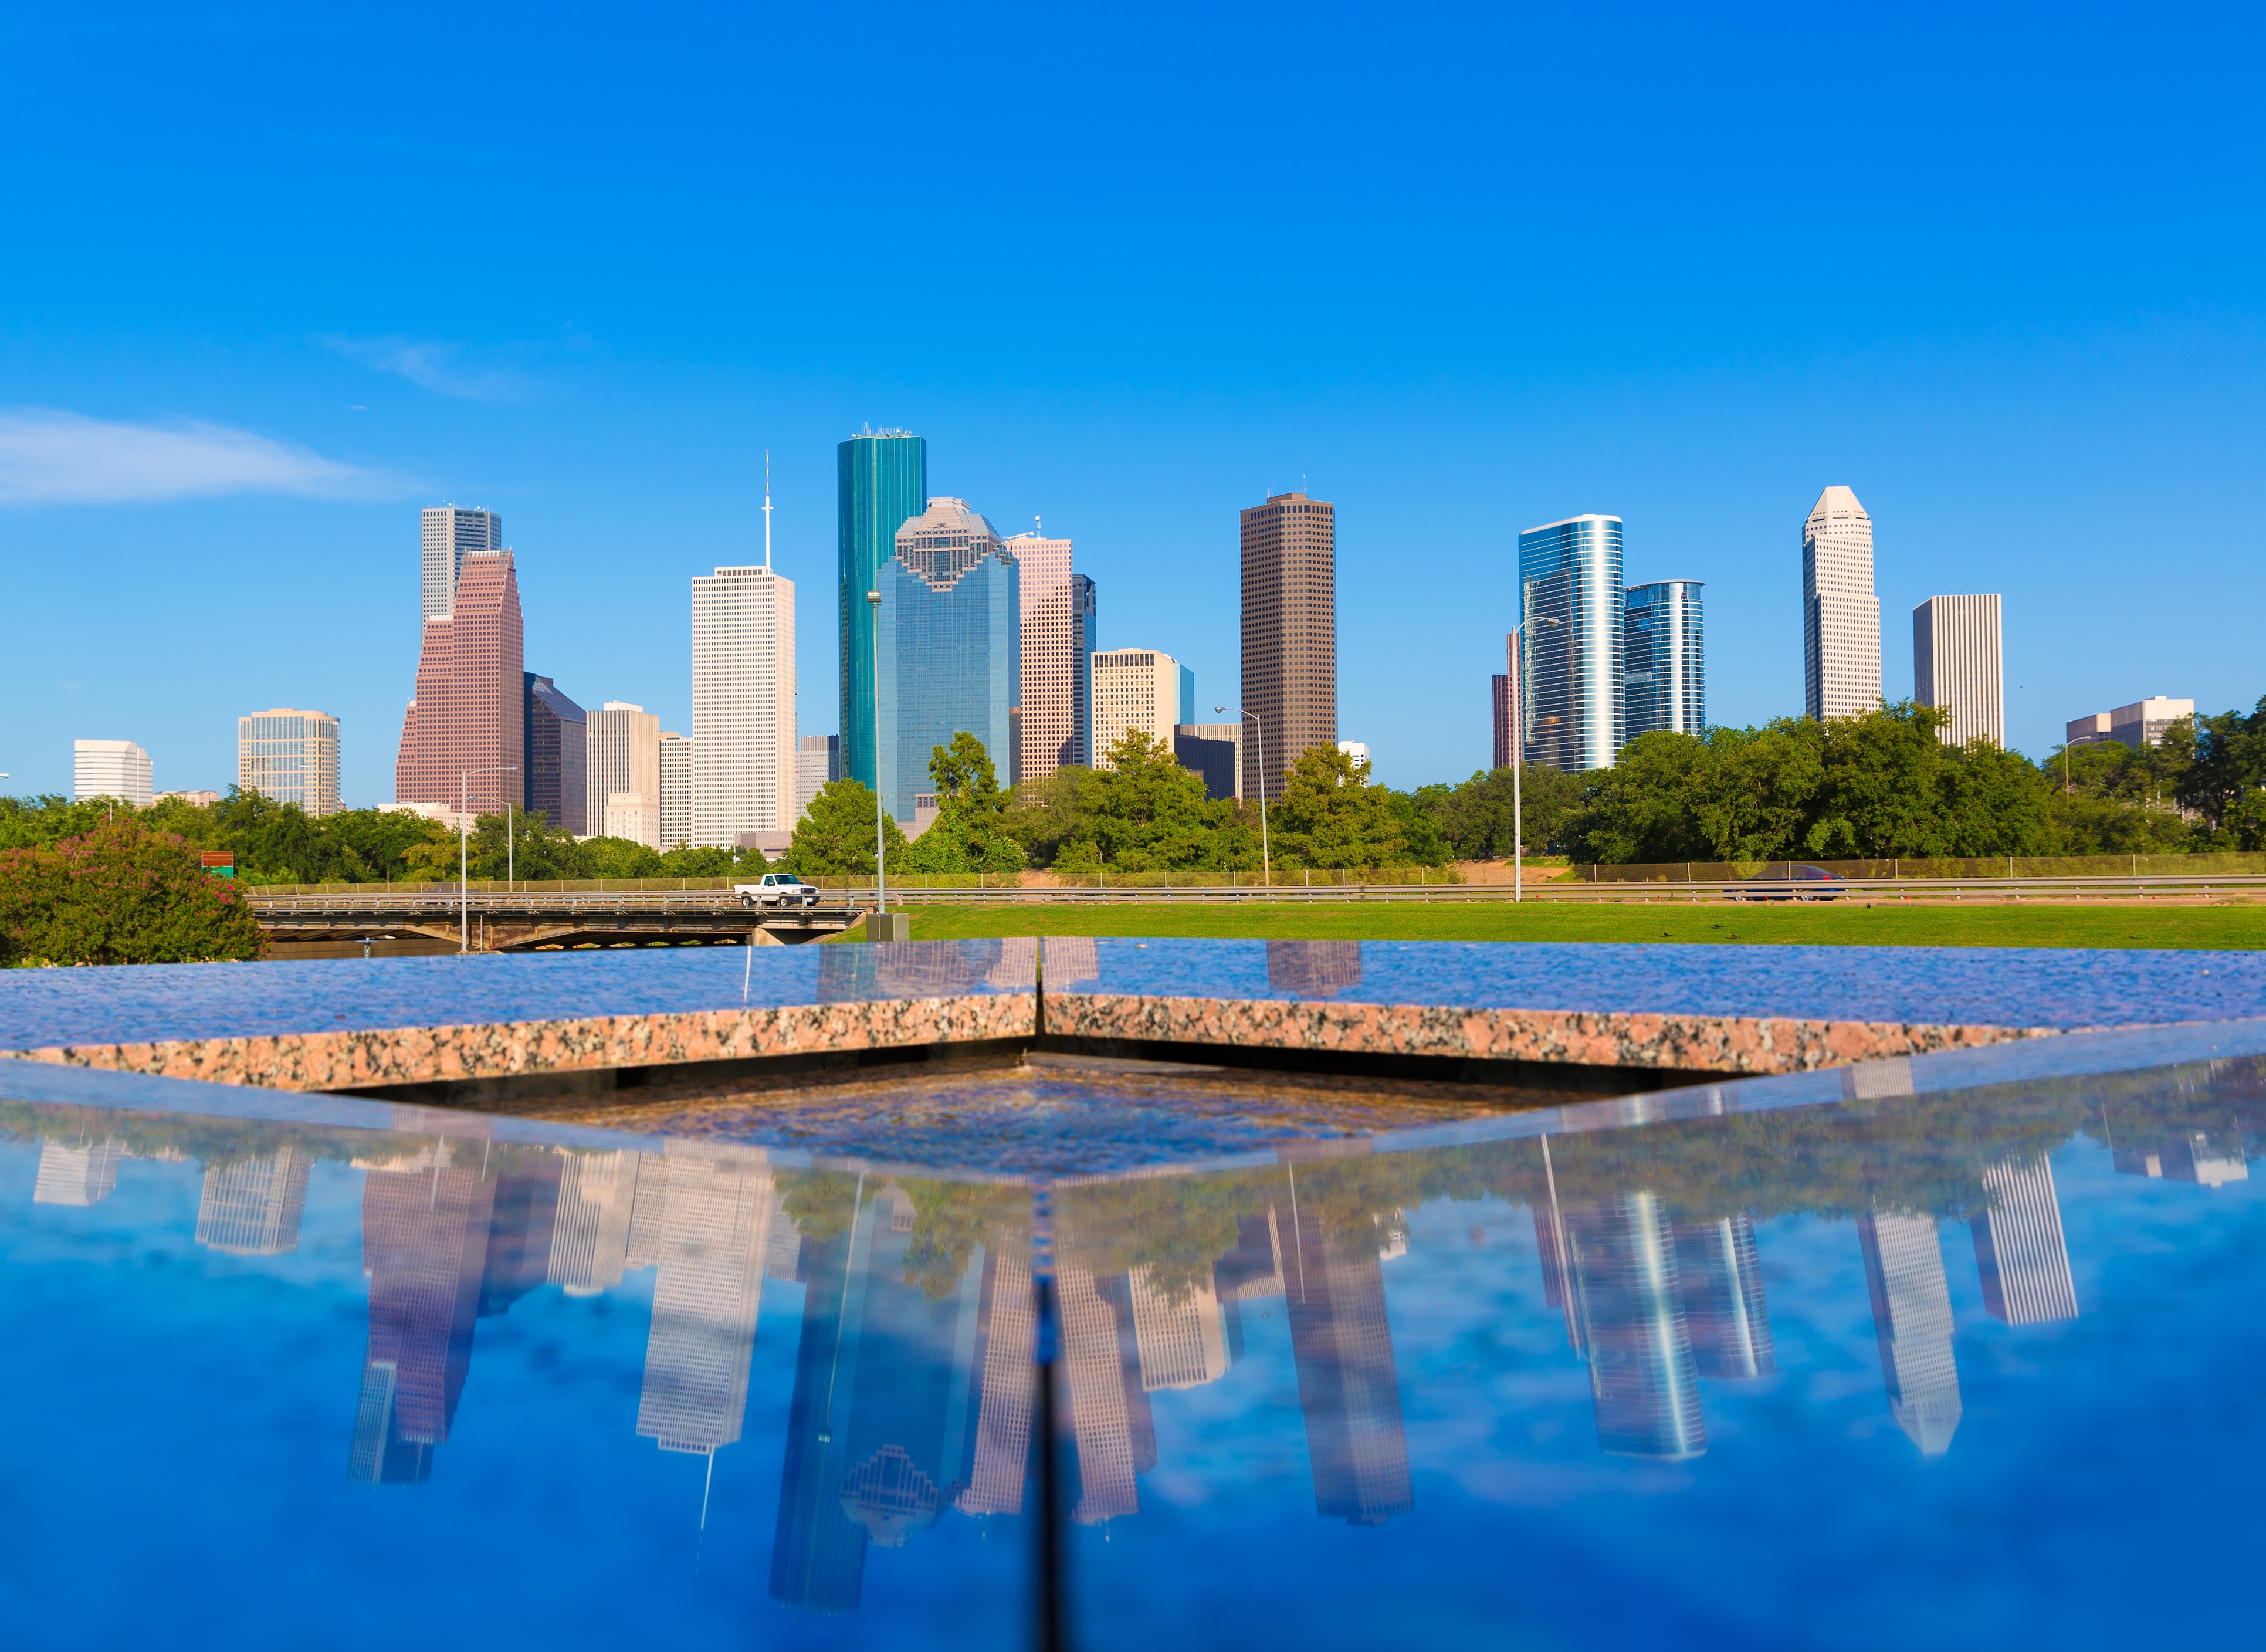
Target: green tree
120,893
835,838
1145,812
1474,818
1331,817
2225,780
1643,810
969,831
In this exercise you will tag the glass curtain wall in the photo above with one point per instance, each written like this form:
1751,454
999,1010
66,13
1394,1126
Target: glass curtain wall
882,483
1569,575
1663,665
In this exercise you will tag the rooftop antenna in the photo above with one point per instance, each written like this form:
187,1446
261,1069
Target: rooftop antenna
767,510
1038,527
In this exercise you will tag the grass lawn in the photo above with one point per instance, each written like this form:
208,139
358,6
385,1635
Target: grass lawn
2234,925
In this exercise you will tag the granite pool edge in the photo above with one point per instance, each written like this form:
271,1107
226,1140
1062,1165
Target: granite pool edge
1756,1046
369,1058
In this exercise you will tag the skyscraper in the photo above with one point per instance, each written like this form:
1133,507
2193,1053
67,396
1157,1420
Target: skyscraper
1084,629
1663,660
1052,733
743,682
290,757
558,741
2019,1248
597,1200
1109,1419
1840,616
110,768
1178,1334
817,765
1290,633
1499,703
1134,688
678,759
80,1173
470,712
952,656
451,536
881,482
1569,583
1957,665
623,772
1911,1320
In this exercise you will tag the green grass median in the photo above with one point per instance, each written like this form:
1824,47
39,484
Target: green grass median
2236,925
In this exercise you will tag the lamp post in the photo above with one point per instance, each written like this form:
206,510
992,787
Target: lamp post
1518,754
464,850
880,864
1266,859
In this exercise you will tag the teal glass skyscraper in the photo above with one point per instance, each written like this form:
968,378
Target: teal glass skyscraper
881,482
1570,583
1663,660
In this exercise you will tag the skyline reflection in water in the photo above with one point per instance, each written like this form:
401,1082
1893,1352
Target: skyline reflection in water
1400,1343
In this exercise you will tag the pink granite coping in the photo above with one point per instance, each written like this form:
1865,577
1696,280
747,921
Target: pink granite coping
1685,1042
361,1058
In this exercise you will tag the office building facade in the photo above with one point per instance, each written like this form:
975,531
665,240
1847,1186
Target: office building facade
290,757
1663,660
1570,583
451,536
1057,653
1134,688
1499,707
881,483
624,773
743,684
1840,616
817,765
1290,634
2143,723
1957,666
470,712
110,768
557,743
678,763
950,649
1215,751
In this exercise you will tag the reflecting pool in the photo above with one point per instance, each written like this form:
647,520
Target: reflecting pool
1960,1351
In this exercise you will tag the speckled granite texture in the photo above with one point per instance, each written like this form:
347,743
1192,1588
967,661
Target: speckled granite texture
350,1024
1700,1009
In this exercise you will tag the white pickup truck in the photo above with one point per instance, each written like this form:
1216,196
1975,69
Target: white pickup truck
778,889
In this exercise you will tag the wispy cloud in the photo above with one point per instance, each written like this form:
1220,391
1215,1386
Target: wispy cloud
439,368
48,456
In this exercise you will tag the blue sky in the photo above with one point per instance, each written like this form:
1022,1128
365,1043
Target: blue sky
273,280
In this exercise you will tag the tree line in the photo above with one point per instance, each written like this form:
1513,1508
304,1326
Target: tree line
1878,786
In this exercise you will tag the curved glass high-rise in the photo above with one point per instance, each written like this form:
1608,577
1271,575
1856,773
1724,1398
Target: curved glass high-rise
1569,583
881,483
1664,659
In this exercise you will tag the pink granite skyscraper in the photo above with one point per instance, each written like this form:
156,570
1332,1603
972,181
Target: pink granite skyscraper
469,712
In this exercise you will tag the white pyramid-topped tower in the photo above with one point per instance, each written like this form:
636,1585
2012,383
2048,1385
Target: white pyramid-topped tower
1840,616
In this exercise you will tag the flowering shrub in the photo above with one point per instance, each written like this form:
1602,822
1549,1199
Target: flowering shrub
122,893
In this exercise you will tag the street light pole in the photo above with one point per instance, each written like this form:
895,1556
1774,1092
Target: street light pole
464,850
1266,859
881,863
1517,754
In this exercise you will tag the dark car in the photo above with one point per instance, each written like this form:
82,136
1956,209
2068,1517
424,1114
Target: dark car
1804,883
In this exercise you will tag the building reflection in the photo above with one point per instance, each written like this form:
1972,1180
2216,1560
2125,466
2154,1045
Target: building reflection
2019,1249
1721,1278
900,1400
1911,1320
1313,969
1334,1285
75,1172
252,1207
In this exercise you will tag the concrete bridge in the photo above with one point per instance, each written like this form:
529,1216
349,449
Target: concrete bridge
371,919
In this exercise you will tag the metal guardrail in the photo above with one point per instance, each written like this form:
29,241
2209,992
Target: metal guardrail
855,901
